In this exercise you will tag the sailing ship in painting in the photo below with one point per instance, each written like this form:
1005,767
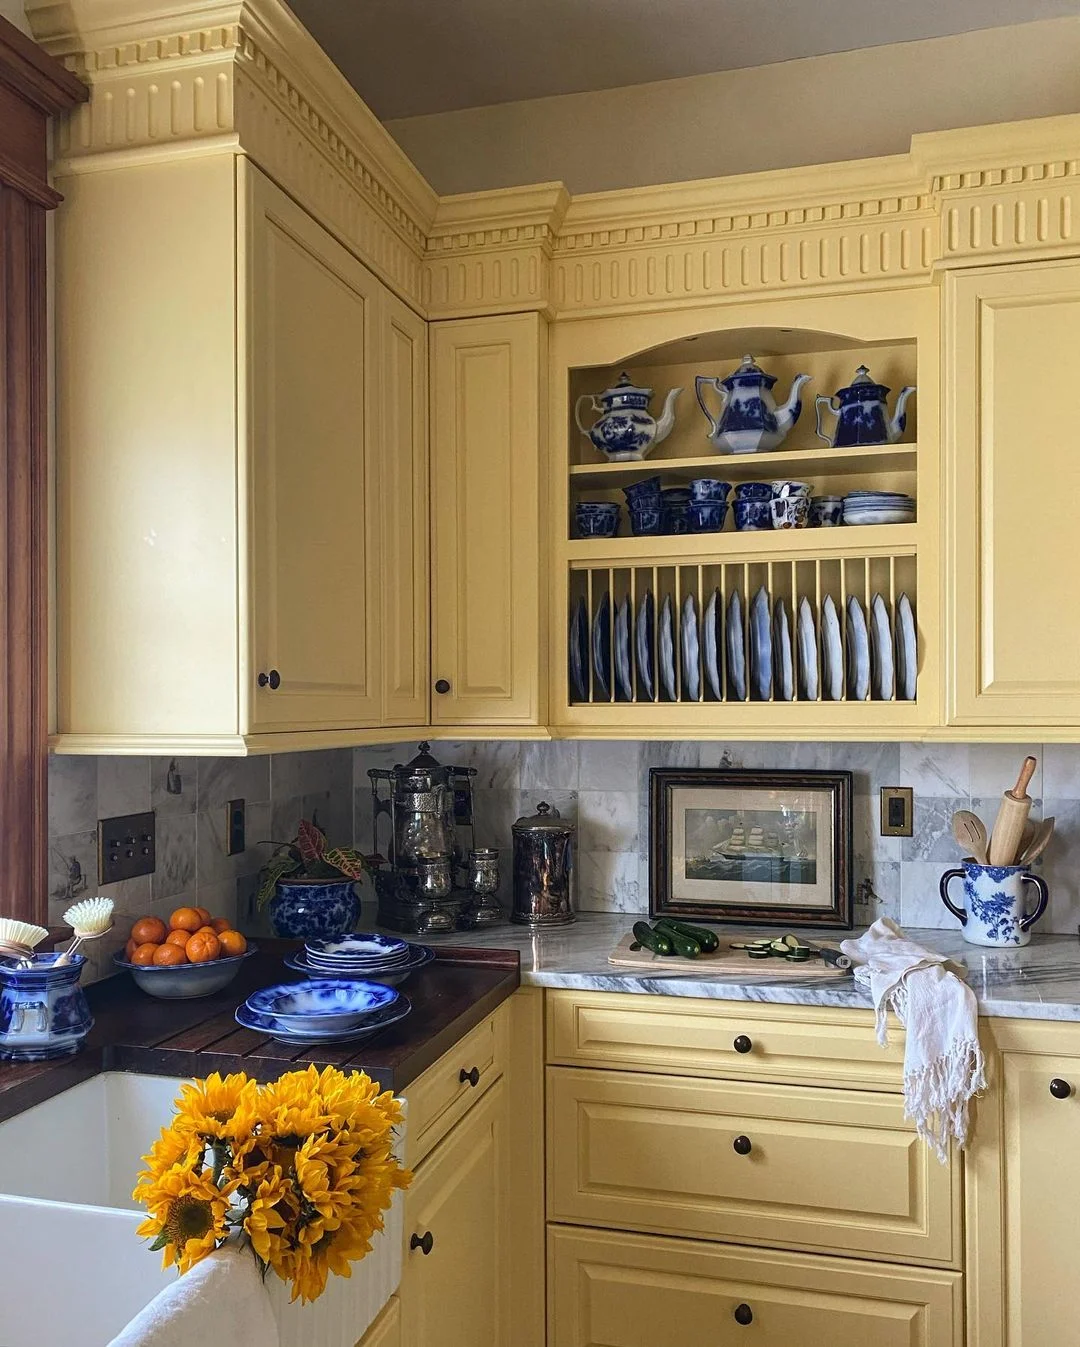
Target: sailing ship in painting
752,846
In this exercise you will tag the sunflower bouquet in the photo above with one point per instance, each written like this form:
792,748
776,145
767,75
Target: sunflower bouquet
301,1170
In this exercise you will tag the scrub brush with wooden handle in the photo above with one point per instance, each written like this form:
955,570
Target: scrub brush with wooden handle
89,919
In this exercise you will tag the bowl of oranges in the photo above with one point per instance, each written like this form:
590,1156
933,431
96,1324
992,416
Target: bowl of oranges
194,954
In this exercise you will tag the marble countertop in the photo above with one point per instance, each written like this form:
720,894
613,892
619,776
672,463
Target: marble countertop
1041,981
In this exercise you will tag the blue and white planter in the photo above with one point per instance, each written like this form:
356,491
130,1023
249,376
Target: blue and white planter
314,909
996,909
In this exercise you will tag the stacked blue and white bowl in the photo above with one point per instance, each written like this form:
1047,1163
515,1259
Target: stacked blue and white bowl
878,507
377,958
323,1010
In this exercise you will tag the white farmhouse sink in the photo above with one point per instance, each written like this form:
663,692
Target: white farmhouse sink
74,1270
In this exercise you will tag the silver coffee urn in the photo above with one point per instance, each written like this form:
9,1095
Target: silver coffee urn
543,869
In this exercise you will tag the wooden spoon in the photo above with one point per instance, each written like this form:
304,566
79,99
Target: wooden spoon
1038,843
970,831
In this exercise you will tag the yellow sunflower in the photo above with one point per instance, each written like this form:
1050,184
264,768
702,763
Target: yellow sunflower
187,1212
218,1108
292,1109
265,1221
171,1148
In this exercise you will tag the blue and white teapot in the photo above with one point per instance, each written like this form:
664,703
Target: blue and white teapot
862,414
750,422
625,430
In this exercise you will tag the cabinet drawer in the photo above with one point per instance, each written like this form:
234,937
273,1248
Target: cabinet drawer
691,1037
640,1291
445,1092
838,1171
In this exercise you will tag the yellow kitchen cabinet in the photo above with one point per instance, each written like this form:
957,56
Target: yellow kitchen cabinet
627,1290
487,380
1023,1189
1012,369
457,1240
386,1330
241,519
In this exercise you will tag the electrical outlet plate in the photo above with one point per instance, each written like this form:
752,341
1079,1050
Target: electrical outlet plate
127,847
897,811
234,827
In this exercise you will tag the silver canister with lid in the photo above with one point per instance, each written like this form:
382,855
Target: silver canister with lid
543,869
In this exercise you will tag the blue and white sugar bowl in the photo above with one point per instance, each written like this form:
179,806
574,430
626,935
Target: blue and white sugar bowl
43,1010
996,911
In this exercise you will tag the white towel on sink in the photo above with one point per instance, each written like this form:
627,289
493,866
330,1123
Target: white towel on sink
222,1299
943,1062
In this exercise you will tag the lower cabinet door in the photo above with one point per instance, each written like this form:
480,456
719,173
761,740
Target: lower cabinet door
646,1291
452,1288
386,1330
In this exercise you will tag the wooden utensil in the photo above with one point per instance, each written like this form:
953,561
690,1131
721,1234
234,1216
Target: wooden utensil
970,831
1034,847
1012,815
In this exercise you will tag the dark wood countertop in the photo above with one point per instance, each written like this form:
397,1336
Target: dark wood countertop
135,1032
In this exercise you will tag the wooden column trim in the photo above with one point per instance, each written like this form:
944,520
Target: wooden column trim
32,87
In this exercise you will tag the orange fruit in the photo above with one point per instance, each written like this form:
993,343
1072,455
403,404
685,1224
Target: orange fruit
203,947
129,949
185,919
232,943
145,953
167,955
148,930
178,938
206,930
204,912
221,924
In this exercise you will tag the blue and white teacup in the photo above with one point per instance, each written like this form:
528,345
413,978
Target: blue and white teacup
754,491
782,490
646,520
826,511
597,518
996,910
707,516
790,512
708,489
645,492
752,515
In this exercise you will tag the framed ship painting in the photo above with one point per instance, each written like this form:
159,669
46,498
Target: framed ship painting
761,848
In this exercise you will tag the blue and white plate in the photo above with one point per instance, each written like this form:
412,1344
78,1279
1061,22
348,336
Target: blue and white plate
336,1005
710,644
691,653
644,637
392,976
667,650
332,963
579,651
736,652
881,650
367,946
907,651
808,653
760,647
785,669
832,654
858,652
266,1024
624,683
601,649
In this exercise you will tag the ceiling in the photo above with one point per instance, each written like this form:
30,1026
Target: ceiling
410,57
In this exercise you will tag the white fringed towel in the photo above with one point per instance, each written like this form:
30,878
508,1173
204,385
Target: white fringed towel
222,1299
943,1062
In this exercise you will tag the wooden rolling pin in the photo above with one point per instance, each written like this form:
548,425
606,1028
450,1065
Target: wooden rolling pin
1012,815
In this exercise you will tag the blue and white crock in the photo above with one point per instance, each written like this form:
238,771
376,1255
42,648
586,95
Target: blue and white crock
625,430
750,422
306,909
43,1011
996,910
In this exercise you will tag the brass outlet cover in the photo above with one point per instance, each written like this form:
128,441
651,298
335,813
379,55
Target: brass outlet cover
897,811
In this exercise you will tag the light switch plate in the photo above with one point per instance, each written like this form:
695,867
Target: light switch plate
126,847
897,811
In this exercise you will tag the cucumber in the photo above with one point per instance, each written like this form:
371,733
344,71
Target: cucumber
683,945
657,941
708,940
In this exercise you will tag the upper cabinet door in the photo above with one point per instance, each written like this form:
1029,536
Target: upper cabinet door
1013,494
487,377
313,338
403,553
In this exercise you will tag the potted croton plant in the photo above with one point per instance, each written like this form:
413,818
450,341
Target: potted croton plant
310,886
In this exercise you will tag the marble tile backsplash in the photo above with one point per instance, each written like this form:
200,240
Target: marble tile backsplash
189,797
603,786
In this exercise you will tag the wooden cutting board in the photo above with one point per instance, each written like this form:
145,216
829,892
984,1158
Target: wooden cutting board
725,963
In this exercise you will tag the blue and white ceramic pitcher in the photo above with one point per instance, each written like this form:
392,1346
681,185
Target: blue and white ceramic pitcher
995,895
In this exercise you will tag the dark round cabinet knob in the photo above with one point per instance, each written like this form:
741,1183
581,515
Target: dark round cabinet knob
425,1242
744,1315
442,686
271,680
742,1146
742,1044
1060,1089
473,1076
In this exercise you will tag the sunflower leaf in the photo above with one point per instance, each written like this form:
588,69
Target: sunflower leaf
160,1242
